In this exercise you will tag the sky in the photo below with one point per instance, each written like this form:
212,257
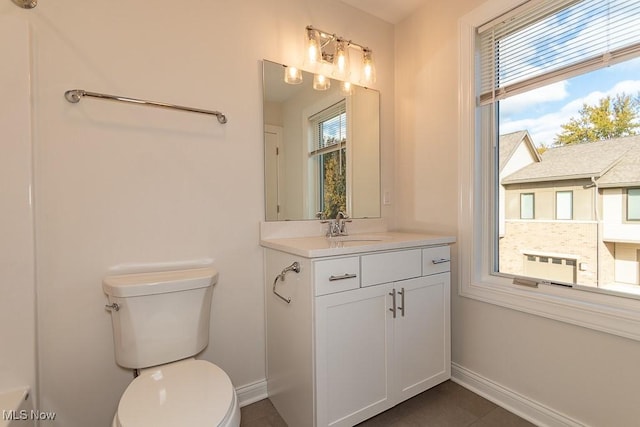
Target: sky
542,111
542,47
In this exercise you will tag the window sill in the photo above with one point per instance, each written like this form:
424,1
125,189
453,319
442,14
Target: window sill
602,312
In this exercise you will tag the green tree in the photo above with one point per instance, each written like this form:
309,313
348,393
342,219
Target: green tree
611,118
335,183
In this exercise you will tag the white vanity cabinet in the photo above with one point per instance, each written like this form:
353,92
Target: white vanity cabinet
363,332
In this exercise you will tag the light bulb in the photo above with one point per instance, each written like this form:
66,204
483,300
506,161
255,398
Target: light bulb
314,52
292,75
341,68
321,82
368,68
346,88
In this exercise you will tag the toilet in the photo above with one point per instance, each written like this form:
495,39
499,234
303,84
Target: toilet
160,322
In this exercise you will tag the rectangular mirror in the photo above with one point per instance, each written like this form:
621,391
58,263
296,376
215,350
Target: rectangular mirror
322,148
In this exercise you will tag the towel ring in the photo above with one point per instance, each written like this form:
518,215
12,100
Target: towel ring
295,267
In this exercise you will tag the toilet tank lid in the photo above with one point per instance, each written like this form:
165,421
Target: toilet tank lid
138,284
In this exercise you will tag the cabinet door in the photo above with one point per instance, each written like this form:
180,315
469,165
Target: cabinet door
353,342
422,335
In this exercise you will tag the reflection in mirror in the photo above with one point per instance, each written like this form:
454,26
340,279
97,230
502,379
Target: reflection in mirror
322,148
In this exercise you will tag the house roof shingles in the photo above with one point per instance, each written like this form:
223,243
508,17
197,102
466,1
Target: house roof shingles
508,144
614,163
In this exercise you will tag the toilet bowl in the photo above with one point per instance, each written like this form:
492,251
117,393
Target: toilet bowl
160,322
186,393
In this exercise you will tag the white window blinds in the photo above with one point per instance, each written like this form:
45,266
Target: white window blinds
544,41
330,129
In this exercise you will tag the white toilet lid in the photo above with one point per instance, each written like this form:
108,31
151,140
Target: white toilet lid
193,393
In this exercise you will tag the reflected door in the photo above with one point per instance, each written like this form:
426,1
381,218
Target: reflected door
273,151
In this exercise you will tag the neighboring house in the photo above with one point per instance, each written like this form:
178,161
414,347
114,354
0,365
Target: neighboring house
516,151
573,215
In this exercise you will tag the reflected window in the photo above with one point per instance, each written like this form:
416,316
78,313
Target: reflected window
328,159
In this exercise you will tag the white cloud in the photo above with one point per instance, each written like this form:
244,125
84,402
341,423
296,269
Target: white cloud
544,129
516,104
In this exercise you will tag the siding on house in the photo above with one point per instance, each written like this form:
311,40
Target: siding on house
603,243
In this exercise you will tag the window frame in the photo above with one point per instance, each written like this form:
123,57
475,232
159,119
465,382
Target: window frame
557,213
596,309
533,205
628,204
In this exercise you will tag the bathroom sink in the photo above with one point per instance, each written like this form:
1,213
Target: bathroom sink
358,238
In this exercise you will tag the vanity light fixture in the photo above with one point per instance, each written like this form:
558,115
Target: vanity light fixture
313,45
327,54
341,66
346,88
292,75
321,82
368,68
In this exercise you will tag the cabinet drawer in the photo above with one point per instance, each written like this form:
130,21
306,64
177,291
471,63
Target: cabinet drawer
391,266
436,260
336,275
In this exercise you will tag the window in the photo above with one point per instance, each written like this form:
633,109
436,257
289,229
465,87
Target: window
633,204
526,206
328,157
528,57
564,204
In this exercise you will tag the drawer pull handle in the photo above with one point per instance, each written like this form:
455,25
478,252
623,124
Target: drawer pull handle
401,308
393,297
344,276
440,261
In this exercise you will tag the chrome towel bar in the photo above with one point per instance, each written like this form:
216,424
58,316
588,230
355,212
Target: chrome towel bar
75,95
293,267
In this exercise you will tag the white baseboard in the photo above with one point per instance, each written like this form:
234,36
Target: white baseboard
520,405
252,393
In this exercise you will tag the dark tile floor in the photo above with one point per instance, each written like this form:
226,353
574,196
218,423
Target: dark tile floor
446,405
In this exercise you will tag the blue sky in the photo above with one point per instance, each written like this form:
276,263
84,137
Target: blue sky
542,111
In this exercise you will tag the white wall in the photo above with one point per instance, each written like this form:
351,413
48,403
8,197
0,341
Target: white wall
17,286
120,184
588,376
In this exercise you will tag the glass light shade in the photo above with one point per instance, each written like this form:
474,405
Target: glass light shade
341,68
313,55
292,75
346,88
368,68
321,82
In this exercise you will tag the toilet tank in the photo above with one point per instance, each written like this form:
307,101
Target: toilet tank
160,317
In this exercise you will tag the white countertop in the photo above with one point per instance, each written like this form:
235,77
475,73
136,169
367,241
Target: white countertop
320,246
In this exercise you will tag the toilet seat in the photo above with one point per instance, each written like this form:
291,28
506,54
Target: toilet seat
191,392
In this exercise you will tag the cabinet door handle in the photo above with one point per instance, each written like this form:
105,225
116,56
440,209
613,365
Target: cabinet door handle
401,308
344,276
440,261
393,296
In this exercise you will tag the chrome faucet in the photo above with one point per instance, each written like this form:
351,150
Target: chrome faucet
341,223
336,227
